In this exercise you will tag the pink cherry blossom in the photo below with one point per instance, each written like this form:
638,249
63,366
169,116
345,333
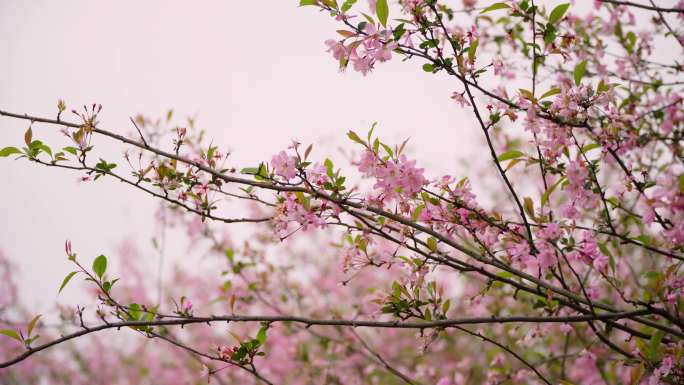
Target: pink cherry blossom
284,165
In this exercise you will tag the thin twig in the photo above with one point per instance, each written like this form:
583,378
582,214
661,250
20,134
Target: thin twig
140,133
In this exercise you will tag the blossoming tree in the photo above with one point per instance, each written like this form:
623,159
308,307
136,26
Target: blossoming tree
378,271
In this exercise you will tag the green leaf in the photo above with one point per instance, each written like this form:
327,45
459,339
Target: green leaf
104,166
353,136
46,149
656,338
527,94
644,238
210,152
445,306
71,150
398,31
551,92
388,149
302,199
240,354
578,73
329,167
149,316
263,171
549,34
631,41
66,280
547,194
590,146
417,211
7,151
370,132
32,324
11,334
261,335
134,311
511,154
368,18
249,170
681,183
432,244
512,164
347,5
427,67
382,10
306,2
558,13
28,341
494,7
428,315
100,265
472,49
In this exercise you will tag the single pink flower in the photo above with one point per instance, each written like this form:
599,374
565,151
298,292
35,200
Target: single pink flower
284,165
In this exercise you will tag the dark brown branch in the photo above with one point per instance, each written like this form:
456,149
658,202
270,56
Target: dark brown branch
326,322
643,6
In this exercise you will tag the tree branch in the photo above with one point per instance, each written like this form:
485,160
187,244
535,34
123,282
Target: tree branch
326,322
643,6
